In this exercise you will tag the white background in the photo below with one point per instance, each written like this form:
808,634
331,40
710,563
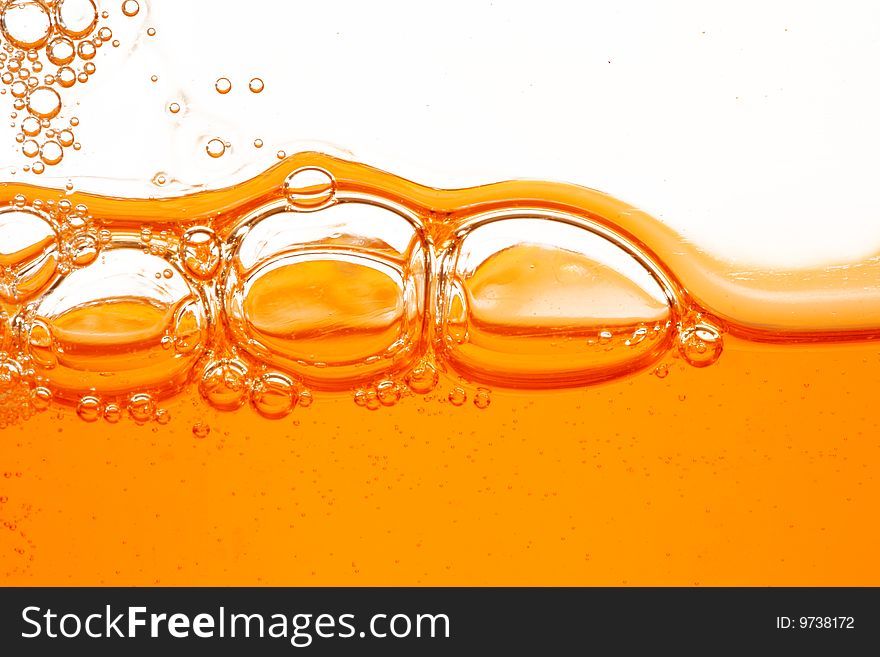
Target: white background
751,127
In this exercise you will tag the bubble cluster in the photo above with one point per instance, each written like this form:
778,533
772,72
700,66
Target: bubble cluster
317,285
58,38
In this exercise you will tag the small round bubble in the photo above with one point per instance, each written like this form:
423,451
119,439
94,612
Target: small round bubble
423,379
273,396
200,252
141,408
41,398
89,408
76,18
482,398
388,393
457,396
130,8
51,152
30,126
30,148
112,413
700,343
223,86
44,103
66,76
215,148
60,51
224,384
86,50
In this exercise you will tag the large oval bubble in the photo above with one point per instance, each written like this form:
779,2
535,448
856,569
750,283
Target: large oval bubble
28,253
543,303
128,322
335,296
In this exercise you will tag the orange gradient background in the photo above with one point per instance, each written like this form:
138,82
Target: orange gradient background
759,470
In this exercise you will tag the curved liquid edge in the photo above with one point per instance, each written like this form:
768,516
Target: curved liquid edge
838,303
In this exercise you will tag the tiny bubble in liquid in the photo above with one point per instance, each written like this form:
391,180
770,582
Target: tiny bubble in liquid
482,398
215,148
130,8
256,85
457,396
201,430
223,86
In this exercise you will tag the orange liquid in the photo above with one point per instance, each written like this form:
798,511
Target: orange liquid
329,375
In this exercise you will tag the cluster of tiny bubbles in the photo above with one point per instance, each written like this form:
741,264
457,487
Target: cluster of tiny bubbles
16,402
58,39
141,408
700,342
386,392
309,188
158,244
62,236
